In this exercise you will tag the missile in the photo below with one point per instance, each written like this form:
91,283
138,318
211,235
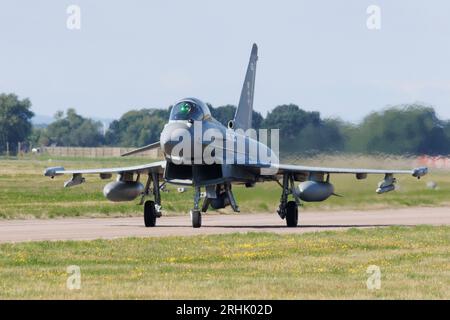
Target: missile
385,189
387,185
420,172
76,180
51,172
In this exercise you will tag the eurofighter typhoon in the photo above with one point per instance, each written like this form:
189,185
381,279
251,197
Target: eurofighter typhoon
201,152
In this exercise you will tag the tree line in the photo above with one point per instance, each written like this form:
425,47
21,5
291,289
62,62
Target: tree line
402,129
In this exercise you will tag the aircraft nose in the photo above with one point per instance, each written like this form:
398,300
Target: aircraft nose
167,146
171,135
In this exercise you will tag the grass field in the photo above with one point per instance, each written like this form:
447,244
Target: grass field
26,193
414,264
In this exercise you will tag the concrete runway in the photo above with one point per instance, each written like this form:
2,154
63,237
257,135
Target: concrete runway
109,228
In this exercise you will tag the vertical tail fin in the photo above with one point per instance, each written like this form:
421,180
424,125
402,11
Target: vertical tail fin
244,111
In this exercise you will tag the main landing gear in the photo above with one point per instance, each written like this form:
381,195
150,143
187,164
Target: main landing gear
149,213
217,196
152,209
288,209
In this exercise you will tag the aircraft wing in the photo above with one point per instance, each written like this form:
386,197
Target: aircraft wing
304,173
282,168
150,146
105,173
279,169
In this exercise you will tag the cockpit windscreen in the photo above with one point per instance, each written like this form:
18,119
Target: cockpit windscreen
186,110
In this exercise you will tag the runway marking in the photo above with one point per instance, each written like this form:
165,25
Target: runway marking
110,228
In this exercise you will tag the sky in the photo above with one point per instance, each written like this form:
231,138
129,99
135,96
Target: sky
320,55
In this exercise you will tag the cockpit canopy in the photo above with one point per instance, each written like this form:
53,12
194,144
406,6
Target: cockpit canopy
190,109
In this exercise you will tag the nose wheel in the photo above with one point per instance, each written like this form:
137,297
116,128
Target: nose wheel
196,215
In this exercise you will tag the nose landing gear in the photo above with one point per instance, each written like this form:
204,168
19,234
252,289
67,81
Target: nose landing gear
196,215
223,193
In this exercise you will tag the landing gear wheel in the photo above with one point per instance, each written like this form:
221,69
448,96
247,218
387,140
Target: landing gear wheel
149,213
291,214
196,218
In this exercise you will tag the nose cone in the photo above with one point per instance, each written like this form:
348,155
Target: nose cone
171,135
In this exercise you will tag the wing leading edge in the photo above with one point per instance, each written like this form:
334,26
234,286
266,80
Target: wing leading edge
145,168
282,168
317,174
276,170
106,173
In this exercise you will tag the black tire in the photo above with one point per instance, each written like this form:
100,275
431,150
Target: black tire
292,214
196,218
149,213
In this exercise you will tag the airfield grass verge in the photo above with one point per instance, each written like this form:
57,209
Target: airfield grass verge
414,264
26,193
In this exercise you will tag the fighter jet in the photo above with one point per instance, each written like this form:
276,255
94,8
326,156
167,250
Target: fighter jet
190,132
